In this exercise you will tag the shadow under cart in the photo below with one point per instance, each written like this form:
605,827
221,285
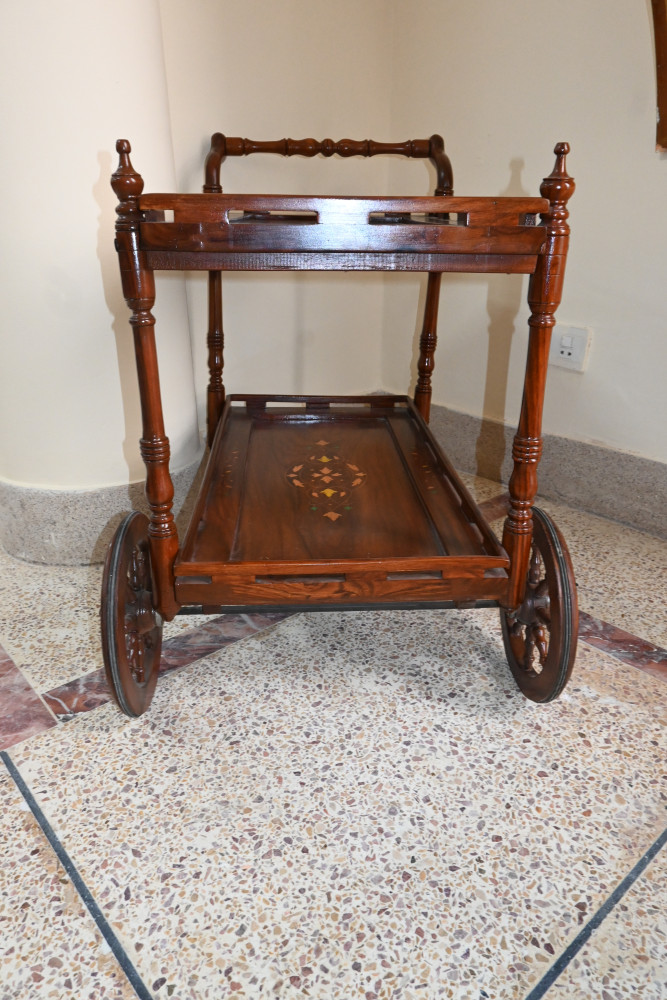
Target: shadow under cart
336,502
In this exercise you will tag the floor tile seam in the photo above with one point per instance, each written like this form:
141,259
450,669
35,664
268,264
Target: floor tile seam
609,905
39,694
86,896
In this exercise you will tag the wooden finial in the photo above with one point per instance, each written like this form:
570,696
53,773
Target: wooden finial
561,149
125,181
558,187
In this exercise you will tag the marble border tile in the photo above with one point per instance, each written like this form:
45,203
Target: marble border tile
623,645
496,507
22,712
83,694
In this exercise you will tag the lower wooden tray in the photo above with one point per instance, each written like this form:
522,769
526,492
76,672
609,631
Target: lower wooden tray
333,500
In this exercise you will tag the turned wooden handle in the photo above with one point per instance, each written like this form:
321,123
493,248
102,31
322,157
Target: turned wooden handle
235,146
433,149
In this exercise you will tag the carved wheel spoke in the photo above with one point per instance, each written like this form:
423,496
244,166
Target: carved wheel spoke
541,635
131,627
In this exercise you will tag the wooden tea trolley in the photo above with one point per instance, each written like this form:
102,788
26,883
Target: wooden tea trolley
318,502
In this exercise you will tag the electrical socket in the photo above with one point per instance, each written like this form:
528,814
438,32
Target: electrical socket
570,347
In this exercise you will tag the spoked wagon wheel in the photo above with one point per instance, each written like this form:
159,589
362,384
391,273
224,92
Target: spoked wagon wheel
541,636
131,627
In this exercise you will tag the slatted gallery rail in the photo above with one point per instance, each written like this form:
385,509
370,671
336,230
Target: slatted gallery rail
427,233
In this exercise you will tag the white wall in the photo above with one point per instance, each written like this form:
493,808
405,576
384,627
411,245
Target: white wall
75,77
504,82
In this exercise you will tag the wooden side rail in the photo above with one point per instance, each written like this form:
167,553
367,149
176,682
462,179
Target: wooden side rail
432,149
270,223
450,211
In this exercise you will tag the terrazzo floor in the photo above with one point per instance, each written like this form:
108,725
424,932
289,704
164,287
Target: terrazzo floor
338,806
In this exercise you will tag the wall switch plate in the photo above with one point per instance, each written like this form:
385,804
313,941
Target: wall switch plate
570,347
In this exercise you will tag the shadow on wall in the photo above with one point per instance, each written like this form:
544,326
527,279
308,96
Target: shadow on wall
504,300
113,296
503,304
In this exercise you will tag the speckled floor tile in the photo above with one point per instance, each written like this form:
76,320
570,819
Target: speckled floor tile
49,620
626,958
50,947
481,489
358,805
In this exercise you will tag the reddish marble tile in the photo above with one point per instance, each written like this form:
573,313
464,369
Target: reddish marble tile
265,619
22,712
80,695
623,645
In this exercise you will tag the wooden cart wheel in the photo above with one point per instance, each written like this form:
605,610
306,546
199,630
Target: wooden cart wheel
131,627
541,636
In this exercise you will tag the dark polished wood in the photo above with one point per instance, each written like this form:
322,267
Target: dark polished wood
139,291
540,636
544,295
468,263
309,498
433,149
345,501
131,628
427,345
223,146
215,397
660,38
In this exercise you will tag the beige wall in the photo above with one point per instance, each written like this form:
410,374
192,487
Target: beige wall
503,82
75,77
296,68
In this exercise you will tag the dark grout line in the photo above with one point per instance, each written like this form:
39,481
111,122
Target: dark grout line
585,933
123,959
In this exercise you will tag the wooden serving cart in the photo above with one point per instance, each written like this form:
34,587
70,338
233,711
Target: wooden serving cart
341,502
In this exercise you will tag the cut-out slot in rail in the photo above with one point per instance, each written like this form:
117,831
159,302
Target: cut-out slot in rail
291,216
418,218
